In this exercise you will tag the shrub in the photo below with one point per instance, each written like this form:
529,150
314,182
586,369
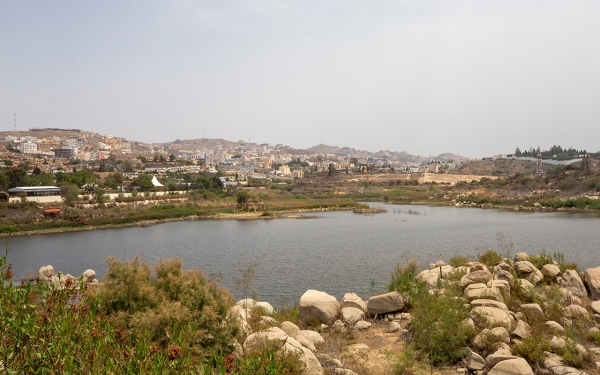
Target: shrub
490,258
403,280
459,260
532,349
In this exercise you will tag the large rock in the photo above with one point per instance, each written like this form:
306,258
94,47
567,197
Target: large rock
432,276
490,317
526,270
498,356
352,300
517,366
575,312
385,303
306,343
481,291
352,314
532,309
490,303
523,330
558,344
504,275
596,306
570,280
591,276
555,327
520,257
480,276
503,285
319,305
266,306
88,276
290,328
475,361
362,325
550,270
312,365
274,336
46,272
314,337
247,303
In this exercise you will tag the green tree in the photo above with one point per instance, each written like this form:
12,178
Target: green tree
171,158
16,177
144,181
242,197
71,195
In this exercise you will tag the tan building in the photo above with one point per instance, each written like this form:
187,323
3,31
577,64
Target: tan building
285,170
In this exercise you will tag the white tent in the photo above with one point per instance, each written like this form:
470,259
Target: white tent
155,182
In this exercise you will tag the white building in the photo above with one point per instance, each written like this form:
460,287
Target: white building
28,148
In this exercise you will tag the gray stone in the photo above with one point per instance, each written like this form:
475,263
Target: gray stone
311,363
394,327
504,275
550,270
570,280
362,325
352,314
475,277
558,344
490,317
290,328
517,366
275,336
526,270
352,300
575,312
519,257
385,303
498,356
475,361
318,305
489,303
314,337
591,276
523,330
555,327
532,309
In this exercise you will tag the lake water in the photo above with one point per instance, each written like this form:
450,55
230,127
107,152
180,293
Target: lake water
337,252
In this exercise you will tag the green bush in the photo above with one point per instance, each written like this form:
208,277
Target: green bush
490,258
532,349
459,260
403,280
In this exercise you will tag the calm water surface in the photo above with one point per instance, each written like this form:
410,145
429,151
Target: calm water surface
337,253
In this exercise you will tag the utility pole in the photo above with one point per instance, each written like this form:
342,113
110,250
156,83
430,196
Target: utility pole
15,122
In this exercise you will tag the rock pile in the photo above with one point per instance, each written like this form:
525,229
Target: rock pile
46,274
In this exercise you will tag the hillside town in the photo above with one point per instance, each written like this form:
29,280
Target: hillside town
51,150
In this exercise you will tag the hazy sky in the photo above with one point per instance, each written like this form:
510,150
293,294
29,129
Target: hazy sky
479,77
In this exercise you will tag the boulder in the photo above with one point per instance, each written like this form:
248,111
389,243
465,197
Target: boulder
238,312
558,344
319,305
591,276
46,272
596,306
522,330
306,343
328,361
352,300
489,303
432,275
576,312
266,306
519,257
550,270
358,348
311,363
352,314
490,317
555,327
475,277
532,309
247,303
517,366
494,337
88,276
290,328
526,270
440,263
275,336
570,280
525,285
503,285
385,303
394,327
314,337
475,361
498,356
343,371
473,293
362,325
504,275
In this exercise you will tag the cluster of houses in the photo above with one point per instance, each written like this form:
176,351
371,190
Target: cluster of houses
237,161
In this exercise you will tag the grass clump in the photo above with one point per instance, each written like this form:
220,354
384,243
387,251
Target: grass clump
490,258
459,260
532,349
